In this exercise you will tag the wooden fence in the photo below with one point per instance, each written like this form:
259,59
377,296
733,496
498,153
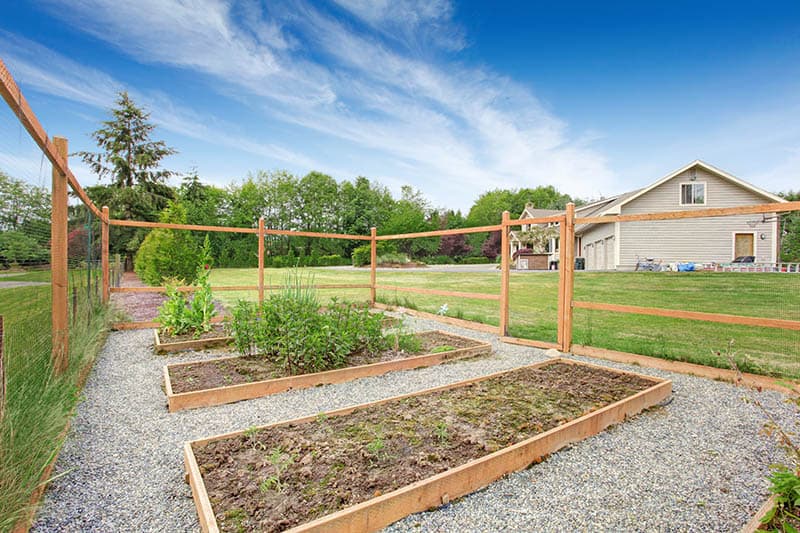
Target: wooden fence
56,152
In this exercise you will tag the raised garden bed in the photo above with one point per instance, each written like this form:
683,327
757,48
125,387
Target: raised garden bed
363,467
212,339
231,379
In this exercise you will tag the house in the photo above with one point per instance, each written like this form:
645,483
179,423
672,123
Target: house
531,212
698,185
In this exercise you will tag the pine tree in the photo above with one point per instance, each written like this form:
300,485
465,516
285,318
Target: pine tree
128,156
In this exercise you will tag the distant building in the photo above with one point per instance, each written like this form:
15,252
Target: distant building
698,185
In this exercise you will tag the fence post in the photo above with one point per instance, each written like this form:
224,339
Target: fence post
373,260
104,252
260,260
562,279
569,275
2,372
58,263
504,274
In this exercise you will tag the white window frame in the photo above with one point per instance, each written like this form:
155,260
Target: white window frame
680,192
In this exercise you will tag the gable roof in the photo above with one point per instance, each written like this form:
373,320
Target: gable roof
615,208
531,212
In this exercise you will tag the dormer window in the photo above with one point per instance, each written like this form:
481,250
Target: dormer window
693,193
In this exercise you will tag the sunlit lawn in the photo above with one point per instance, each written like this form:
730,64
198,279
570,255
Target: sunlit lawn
533,308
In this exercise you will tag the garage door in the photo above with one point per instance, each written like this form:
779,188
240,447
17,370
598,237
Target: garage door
590,264
610,254
600,246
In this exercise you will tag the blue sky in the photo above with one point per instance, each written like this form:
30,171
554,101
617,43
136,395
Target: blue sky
454,98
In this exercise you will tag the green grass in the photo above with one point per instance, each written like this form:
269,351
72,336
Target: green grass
39,403
533,309
34,275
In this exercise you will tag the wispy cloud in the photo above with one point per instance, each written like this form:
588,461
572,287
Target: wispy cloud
451,129
52,73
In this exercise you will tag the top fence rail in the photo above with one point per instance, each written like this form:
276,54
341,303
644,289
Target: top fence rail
19,105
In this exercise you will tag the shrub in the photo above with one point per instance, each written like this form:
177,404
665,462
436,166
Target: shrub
361,254
393,258
167,253
175,316
476,261
290,330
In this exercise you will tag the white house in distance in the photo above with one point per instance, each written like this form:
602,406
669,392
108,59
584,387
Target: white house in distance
698,185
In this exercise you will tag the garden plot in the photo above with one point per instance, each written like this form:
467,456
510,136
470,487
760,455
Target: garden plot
218,336
364,467
231,379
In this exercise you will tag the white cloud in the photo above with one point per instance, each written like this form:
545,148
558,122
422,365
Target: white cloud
435,123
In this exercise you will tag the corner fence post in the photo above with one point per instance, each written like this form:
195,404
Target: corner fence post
562,279
373,260
2,372
504,274
58,263
260,260
104,253
569,275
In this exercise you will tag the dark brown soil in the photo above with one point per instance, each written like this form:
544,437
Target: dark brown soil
278,478
217,331
781,520
234,370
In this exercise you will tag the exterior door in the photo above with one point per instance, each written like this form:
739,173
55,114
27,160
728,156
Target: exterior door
743,244
610,254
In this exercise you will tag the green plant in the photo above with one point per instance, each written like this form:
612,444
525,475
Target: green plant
444,348
361,254
167,253
441,432
393,258
785,485
280,461
173,315
376,447
292,331
202,308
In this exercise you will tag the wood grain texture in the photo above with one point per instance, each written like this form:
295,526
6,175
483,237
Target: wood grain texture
505,266
104,263
59,229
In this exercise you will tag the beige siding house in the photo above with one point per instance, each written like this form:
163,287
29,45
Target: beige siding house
698,185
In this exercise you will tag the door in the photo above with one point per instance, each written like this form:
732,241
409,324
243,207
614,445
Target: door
743,244
590,257
610,254
600,247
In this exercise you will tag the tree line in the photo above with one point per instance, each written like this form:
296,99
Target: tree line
138,188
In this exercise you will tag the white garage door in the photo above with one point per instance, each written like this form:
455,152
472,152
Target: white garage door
610,254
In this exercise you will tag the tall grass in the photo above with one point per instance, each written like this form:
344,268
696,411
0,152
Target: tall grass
39,403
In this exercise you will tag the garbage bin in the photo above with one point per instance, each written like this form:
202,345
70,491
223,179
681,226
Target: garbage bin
580,263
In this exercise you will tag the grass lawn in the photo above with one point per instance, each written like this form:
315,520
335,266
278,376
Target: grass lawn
533,308
38,403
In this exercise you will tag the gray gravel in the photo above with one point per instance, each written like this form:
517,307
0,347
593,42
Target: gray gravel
697,464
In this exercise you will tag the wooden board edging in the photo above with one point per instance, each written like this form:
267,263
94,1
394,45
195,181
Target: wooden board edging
755,522
259,389
460,322
438,292
785,386
436,490
692,315
194,344
532,343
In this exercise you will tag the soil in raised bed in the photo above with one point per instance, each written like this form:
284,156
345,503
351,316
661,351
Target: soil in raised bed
281,477
235,370
217,331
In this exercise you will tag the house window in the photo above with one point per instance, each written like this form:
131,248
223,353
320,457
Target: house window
693,193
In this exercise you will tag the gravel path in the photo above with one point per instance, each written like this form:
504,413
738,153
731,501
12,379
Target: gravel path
697,464
15,284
